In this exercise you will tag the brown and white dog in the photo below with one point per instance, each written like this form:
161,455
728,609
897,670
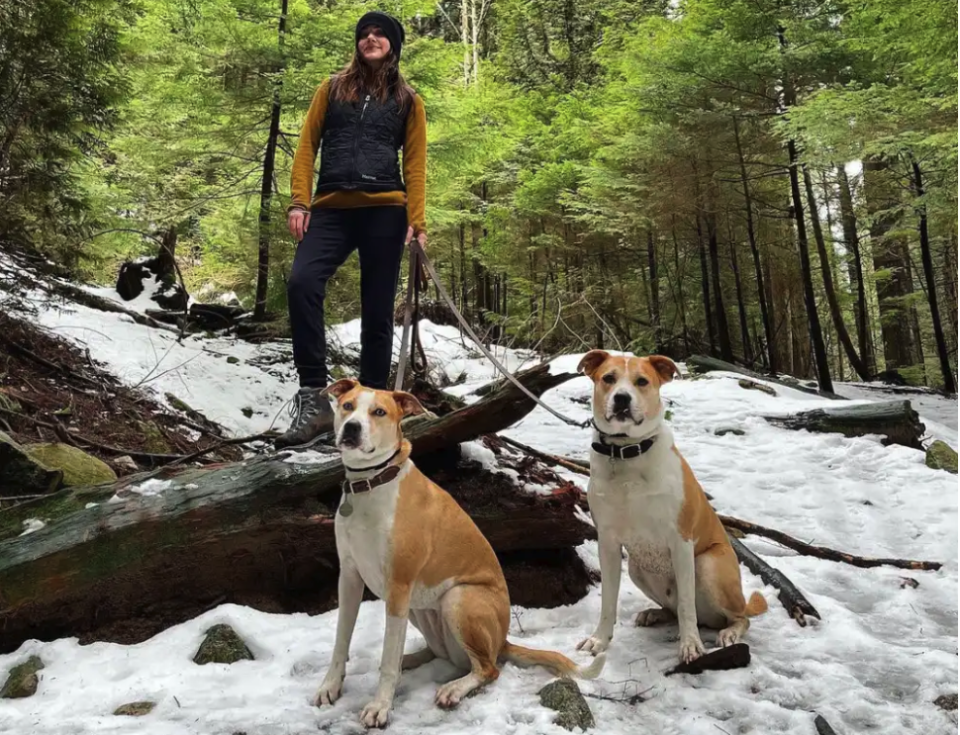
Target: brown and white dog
415,548
644,498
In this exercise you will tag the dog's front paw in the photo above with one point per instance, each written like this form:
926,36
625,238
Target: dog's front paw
375,714
594,644
691,648
329,691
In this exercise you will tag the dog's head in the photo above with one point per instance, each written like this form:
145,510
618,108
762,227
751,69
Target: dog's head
626,390
366,422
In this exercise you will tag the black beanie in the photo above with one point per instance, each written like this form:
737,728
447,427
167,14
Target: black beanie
388,24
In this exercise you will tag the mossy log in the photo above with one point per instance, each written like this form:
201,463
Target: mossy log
896,421
259,530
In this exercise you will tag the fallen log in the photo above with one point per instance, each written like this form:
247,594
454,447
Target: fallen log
703,364
896,420
257,532
823,552
792,599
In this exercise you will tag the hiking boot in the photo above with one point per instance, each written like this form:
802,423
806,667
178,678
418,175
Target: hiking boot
312,417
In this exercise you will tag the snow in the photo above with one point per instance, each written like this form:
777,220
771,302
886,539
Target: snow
151,487
32,524
882,653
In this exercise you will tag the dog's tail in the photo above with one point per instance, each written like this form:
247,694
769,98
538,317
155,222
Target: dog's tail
756,606
555,662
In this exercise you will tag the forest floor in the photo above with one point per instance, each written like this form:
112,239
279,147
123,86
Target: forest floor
883,652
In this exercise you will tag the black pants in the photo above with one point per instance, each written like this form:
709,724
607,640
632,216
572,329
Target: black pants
378,234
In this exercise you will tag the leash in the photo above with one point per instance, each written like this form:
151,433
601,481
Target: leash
418,260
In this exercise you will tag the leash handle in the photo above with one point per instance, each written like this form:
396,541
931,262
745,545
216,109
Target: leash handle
417,252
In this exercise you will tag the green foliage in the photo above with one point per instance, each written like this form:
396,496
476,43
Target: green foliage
590,136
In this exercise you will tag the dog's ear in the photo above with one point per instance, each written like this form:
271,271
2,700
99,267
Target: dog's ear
665,367
591,361
344,385
408,403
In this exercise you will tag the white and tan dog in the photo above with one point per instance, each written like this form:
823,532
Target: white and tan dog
644,498
415,548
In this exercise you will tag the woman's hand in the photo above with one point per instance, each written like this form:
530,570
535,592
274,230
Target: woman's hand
421,238
298,221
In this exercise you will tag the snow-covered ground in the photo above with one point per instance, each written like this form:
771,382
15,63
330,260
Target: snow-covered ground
882,653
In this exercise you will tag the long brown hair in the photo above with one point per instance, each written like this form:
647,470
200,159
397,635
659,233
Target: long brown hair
358,78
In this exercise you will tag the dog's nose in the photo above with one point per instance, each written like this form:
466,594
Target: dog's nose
621,401
350,435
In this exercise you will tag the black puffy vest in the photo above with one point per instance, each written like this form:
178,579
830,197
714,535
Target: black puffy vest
360,145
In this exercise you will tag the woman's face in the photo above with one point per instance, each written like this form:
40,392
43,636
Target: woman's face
373,45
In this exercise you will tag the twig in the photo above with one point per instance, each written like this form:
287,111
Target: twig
822,552
5,498
220,445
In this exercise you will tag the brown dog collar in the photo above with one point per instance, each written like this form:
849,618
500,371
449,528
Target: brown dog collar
367,484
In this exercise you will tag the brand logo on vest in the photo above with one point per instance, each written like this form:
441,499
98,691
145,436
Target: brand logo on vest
368,178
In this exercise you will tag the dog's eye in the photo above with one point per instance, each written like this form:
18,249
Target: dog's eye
347,406
379,412
609,378
642,382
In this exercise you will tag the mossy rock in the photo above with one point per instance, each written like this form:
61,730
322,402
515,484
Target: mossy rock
21,474
563,695
135,709
941,456
22,680
233,360
222,645
156,442
79,468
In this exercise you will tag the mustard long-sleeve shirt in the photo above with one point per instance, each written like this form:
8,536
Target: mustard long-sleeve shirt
414,167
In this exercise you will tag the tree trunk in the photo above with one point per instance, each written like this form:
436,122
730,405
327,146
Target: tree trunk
827,273
747,346
890,257
720,312
678,280
266,184
943,353
852,239
765,315
816,333
705,284
654,292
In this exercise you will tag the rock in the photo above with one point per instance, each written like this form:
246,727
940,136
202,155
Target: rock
233,360
247,411
754,385
21,474
135,709
79,468
125,464
947,702
149,274
22,680
729,430
563,695
222,645
941,456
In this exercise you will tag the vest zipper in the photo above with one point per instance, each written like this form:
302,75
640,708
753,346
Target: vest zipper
356,141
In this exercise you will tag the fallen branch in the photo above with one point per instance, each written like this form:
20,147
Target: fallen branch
823,727
796,605
703,364
219,445
550,459
736,656
68,373
822,552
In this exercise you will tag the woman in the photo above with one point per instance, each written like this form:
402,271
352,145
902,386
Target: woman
359,119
